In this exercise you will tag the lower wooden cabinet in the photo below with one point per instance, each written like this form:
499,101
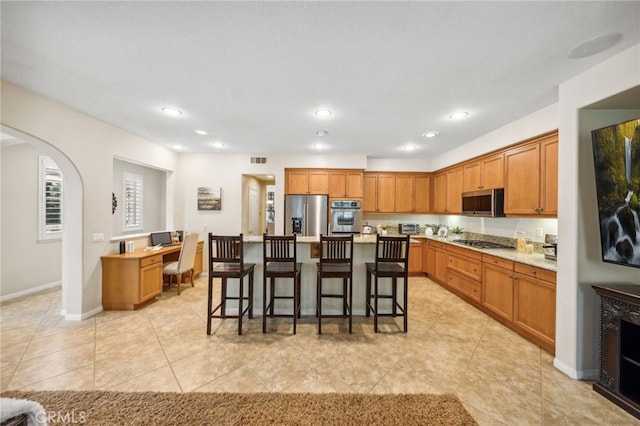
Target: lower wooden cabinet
520,296
497,280
535,304
415,259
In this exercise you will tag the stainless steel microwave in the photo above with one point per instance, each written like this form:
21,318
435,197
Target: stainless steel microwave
483,203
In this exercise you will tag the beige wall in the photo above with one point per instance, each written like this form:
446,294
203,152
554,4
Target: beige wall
84,148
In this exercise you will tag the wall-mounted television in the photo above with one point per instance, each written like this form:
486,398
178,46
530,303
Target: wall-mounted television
616,154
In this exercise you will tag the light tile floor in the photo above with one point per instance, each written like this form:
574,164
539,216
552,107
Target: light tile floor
451,347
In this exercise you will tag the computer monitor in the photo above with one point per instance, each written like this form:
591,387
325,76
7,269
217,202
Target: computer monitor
161,238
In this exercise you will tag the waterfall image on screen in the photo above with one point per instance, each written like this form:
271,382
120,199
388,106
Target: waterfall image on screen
616,154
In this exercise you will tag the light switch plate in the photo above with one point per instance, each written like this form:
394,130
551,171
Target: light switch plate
97,237
539,232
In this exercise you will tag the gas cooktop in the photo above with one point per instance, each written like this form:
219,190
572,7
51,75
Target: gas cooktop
482,244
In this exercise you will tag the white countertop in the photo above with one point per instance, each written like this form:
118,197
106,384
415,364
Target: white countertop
535,259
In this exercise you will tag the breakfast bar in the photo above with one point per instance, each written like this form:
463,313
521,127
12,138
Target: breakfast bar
364,251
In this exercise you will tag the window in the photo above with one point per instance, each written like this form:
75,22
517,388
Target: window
132,211
50,199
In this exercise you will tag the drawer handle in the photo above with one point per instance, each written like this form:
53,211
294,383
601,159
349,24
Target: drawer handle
533,272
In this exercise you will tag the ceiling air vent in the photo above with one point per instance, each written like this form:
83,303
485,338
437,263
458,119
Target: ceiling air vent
258,160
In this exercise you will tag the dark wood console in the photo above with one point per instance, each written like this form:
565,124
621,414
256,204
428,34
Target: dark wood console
619,362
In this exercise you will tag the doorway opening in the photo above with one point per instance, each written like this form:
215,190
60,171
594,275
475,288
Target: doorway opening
71,243
258,204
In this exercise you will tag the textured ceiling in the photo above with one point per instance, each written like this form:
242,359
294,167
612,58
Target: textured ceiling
253,73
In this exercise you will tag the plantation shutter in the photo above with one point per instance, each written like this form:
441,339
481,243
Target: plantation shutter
132,201
53,198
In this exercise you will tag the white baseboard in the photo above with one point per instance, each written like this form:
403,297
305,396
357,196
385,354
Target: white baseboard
30,291
591,374
84,315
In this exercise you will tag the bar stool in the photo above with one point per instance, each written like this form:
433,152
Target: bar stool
280,261
391,261
336,261
226,260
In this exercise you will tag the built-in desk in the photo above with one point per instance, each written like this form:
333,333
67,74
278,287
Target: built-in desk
131,280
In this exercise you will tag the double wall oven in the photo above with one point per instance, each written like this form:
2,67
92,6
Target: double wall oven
345,217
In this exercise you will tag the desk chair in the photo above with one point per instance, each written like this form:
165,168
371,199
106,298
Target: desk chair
226,260
391,261
336,261
279,257
185,261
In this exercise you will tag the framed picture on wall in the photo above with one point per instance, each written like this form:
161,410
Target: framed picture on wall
209,198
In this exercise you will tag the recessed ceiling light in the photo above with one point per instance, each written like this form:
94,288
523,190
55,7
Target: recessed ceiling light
201,132
322,133
458,115
323,113
595,45
409,147
171,111
177,146
218,145
319,146
429,134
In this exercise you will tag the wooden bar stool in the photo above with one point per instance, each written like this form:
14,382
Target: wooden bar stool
336,261
226,260
280,261
391,261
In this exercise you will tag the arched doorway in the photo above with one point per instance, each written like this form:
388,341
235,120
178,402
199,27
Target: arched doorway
72,260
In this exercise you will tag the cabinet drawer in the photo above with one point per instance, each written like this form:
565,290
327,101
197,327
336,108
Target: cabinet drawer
498,261
471,254
436,244
465,285
535,272
469,267
150,260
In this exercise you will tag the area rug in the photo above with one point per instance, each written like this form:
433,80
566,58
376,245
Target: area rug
155,408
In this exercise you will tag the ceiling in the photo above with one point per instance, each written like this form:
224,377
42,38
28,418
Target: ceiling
252,74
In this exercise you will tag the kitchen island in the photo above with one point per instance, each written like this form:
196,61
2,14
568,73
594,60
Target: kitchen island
363,251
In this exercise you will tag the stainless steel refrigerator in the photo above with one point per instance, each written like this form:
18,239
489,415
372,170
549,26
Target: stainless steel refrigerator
306,215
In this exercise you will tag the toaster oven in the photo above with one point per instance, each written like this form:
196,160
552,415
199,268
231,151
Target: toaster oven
409,228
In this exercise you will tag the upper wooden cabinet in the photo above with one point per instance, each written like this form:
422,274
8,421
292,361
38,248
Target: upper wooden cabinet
346,184
337,183
484,173
531,172
306,181
447,191
396,192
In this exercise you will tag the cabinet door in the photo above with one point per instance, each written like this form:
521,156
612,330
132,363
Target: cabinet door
471,173
370,193
535,308
337,184
415,258
441,266
493,172
354,184
522,187
318,182
422,192
297,182
386,193
428,259
454,191
404,194
197,266
549,177
440,193
497,294
150,281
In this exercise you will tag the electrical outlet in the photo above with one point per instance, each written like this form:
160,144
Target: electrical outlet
97,237
539,232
